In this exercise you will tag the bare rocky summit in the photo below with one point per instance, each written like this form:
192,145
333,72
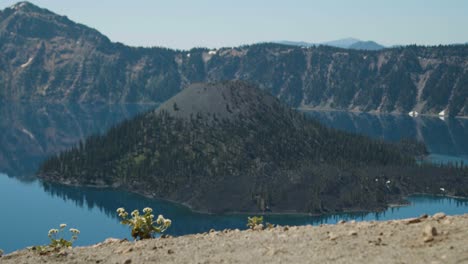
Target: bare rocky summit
397,241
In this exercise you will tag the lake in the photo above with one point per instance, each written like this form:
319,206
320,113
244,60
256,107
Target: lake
29,208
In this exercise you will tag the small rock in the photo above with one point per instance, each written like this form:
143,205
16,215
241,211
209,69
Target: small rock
128,250
212,230
285,228
430,231
413,221
439,216
428,239
128,261
341,222
332,236
352,233
97,245
236,230
1,253
170,251
258,227
447,222
424,216
111,240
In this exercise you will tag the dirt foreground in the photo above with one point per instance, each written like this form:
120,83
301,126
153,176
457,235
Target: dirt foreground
428,239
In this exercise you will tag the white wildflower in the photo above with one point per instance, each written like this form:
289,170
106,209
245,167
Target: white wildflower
74,231
160,220
147,210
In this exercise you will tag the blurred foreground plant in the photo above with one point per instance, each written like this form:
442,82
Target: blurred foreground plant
144,226
57,241
255,222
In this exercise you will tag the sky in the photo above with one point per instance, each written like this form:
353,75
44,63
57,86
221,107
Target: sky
184,24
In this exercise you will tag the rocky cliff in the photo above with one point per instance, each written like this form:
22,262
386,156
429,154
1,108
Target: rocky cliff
44,56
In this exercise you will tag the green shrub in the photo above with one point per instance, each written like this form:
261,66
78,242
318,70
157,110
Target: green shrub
144,226
57,241
254,222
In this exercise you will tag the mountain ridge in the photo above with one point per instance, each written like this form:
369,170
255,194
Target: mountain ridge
47,57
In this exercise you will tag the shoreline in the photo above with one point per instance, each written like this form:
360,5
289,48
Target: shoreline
404,202
324,109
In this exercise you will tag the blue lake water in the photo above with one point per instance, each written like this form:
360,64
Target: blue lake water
29,208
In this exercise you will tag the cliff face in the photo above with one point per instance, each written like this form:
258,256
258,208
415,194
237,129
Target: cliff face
30,132
44,56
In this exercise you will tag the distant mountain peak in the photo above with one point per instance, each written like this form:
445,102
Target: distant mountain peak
342,43
26,6
345,43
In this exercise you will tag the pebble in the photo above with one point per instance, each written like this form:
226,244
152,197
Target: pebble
128,261
111,240
439,216
430,231
128,250
352,233
424,216
413,221
428,239
341,222
332,236
258,227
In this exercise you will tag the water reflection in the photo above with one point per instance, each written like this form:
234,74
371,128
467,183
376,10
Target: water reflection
447,140
33,131
191,222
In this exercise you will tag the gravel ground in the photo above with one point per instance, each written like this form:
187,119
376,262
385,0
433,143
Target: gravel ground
433,239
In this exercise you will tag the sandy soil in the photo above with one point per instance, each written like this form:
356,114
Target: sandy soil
433,239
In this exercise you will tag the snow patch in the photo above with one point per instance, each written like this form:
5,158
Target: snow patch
27,63
24,130
18,5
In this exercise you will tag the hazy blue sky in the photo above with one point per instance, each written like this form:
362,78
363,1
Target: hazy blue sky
215,23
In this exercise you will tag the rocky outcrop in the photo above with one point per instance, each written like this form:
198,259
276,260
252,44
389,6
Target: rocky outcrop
44,56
